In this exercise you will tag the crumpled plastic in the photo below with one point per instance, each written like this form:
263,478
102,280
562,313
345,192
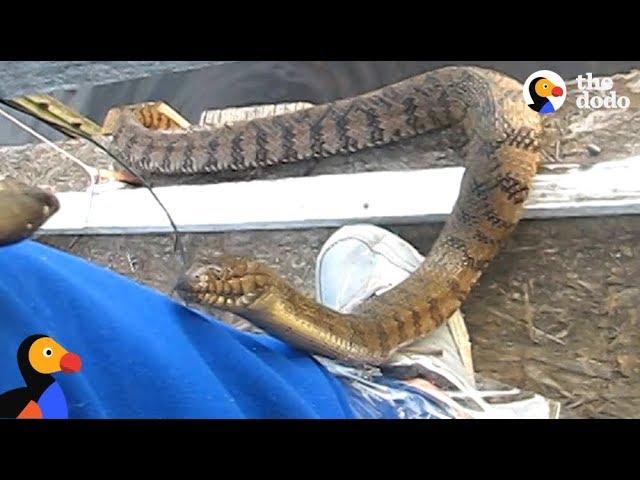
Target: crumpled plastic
436,393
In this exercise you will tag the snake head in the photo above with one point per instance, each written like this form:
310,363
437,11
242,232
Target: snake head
23,209
226,282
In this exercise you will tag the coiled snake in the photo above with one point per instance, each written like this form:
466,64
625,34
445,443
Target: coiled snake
502,153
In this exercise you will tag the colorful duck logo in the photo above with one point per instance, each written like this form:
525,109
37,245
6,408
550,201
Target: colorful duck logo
544,92
38,357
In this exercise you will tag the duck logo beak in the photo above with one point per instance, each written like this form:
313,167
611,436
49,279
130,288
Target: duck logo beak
70,363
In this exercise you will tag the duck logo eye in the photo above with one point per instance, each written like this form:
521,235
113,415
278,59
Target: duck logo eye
545,86
47,352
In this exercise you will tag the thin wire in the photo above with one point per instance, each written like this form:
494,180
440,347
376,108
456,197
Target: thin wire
92,172
177,245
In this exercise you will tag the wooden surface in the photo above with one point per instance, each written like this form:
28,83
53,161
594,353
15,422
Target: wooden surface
52,110
557,312
608,188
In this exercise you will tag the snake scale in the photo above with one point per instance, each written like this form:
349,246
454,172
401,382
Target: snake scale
502,154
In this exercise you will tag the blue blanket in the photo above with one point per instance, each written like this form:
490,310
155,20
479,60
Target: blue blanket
145,356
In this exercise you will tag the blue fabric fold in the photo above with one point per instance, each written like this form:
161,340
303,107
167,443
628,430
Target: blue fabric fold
146,356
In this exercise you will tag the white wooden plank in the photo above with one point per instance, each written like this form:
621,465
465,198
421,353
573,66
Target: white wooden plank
333,200
228,116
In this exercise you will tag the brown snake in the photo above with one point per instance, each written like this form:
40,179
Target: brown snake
502,155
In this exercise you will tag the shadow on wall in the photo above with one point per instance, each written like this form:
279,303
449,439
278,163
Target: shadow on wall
249,83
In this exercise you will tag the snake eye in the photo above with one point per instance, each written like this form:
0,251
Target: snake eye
217,270
47,352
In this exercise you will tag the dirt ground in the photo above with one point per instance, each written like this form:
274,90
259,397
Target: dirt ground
556,313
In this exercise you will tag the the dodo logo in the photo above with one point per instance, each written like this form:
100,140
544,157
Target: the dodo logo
38,357
544,91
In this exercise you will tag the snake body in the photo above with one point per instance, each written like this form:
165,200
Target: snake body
502,154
